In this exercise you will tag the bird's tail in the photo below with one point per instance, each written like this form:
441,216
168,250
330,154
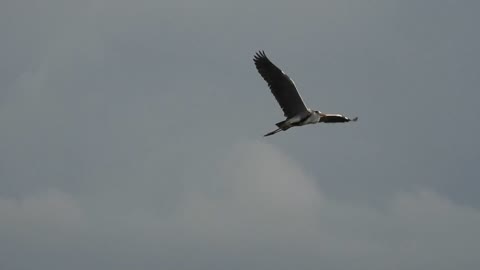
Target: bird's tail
355,119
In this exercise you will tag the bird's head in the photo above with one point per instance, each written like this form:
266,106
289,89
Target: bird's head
347,119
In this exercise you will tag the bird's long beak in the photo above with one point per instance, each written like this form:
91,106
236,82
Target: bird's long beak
355,119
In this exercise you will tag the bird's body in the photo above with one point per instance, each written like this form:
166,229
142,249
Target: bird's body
285,92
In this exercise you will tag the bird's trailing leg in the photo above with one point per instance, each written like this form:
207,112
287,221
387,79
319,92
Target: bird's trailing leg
273,132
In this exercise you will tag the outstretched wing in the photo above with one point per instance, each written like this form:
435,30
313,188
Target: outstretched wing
281,86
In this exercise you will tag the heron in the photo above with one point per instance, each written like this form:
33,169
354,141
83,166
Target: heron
285,92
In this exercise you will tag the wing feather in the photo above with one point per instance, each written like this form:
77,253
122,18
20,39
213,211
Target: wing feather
282,87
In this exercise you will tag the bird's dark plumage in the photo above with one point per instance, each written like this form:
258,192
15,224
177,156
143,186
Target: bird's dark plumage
281,86
285,92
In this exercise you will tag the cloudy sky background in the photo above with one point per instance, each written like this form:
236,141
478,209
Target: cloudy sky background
131,135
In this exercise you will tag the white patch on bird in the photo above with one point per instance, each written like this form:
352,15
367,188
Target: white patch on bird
294,119
312,119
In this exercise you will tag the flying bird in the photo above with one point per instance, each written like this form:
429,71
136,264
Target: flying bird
285,92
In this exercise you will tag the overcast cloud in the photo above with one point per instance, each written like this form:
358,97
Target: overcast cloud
131,135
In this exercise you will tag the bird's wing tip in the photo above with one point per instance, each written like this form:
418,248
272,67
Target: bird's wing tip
260,53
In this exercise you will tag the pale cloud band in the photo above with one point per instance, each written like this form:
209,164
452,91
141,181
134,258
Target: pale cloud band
261,209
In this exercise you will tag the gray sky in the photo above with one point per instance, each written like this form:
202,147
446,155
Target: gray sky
131,135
